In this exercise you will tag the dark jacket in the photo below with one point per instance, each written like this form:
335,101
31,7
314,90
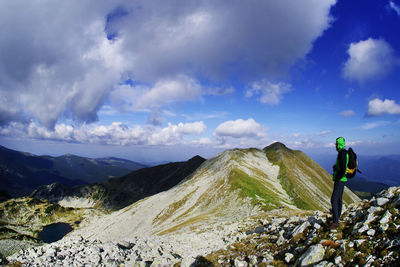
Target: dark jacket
339,169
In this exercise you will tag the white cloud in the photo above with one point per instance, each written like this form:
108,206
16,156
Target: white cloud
323,133
377,107
116,133
348,143
169,91
239,128
347,113
369,59
372,125
51,65
270,93
240,133
395,7
57,61
165,39
202,142
165,92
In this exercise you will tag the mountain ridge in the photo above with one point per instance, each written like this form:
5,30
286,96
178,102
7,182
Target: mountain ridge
120,192
234,184
21,172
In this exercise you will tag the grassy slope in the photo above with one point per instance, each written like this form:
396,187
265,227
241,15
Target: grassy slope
291,162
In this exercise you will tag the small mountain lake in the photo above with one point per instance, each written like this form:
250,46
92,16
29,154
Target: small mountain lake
54,232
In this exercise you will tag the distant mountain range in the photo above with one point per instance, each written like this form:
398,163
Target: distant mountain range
378,172
21,173
120,192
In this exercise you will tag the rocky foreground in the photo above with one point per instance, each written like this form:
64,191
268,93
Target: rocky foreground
369,235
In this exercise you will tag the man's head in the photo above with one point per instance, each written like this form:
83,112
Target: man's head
340,143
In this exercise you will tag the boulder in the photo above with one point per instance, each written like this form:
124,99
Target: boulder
314,254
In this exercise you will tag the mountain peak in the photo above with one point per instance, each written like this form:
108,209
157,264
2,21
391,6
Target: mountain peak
277,146
197,158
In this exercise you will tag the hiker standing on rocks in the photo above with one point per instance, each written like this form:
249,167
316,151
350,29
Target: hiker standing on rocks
339,177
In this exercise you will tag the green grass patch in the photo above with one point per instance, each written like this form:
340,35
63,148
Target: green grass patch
253,188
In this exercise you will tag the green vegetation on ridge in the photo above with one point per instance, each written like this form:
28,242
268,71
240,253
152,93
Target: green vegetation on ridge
253,188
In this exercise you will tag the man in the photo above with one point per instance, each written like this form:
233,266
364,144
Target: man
339,177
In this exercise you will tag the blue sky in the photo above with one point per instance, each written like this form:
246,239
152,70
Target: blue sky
166,80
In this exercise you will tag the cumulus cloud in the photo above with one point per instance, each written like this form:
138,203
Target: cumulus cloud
240,133
217,39
61,60
347,113
56,59
270,93
165,92
369,59
377,107
116,133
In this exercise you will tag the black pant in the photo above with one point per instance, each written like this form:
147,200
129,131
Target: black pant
336,200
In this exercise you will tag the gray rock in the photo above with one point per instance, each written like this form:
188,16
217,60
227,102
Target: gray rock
381,201
259,230
370,260
253,259
288,257
125,245
300,228
388,193
393,243
371,232
338,260
324,264
314,254
240,263
363,229
383,227
358,242
386,217
268,256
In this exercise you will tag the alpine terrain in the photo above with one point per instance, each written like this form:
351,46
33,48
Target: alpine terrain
242,207
233,185
120,192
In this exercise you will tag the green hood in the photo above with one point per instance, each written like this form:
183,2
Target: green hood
341,143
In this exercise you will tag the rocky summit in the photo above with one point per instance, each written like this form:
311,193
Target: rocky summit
368,235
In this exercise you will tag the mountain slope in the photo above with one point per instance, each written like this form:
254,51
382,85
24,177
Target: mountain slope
309,185
368,235
120,192
232,185
21,173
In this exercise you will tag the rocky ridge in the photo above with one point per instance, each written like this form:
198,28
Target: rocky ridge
369,235
231,186
118,193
